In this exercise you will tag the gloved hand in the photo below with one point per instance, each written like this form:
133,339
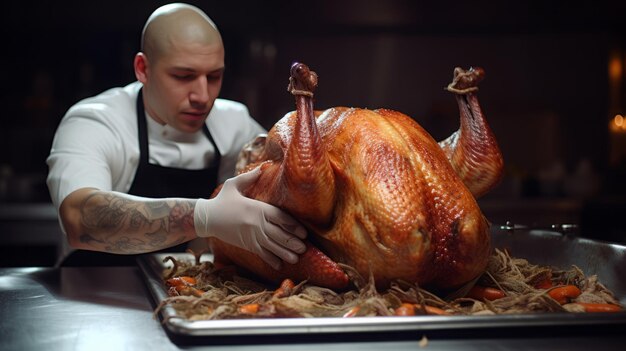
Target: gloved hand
249,224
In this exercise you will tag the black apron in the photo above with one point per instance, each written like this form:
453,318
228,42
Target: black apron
154,181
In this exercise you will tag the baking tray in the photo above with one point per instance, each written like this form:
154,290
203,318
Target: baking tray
607,260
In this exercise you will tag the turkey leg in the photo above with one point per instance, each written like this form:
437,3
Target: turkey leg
307,175
472,150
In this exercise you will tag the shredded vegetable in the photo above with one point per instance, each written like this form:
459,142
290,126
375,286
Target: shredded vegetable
199,291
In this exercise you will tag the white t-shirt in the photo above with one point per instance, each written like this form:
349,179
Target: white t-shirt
96,144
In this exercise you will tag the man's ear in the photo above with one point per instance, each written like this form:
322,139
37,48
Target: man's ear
141,67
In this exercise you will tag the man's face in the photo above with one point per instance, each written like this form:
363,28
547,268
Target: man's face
182,84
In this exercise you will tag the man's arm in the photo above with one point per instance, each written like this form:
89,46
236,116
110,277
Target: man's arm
124,224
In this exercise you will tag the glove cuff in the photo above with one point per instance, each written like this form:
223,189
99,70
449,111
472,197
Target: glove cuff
201,217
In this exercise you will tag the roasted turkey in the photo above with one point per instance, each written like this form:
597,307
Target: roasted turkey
376,191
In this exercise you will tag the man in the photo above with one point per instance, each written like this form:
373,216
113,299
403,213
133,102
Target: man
127,167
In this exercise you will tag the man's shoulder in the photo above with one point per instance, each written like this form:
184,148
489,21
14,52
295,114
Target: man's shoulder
230,106
111,111
108,103
231,119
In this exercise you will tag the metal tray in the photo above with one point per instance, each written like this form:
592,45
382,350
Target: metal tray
606,260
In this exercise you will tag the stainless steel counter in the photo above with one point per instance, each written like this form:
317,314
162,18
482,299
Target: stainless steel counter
110,309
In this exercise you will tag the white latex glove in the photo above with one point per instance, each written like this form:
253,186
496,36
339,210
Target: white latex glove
252,225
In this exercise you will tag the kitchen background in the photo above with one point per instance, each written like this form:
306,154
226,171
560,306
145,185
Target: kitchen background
555,92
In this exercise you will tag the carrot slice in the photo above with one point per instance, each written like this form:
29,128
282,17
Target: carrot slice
485,293
285,289
406,309
188,290
251,308
352,312
544,284
563,294
599,307
183,280
435,310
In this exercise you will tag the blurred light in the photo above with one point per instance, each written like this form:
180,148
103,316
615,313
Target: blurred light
618,124
615,68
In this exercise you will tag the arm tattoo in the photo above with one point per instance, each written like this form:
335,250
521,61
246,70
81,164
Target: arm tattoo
116,223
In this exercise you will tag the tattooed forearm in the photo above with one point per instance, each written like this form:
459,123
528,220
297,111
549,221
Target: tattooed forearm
88,239
103,212
118,223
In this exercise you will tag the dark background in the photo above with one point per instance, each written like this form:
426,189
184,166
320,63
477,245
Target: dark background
549,94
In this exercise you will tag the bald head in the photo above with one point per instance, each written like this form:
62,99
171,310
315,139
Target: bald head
177,23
